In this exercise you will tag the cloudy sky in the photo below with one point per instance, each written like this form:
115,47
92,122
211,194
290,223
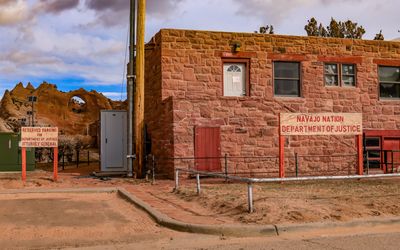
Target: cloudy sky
82,43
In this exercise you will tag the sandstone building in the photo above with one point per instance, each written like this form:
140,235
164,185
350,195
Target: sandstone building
211,94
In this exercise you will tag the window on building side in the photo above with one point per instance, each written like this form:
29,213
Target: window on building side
389,82
373,147
287,78
235,79
340,74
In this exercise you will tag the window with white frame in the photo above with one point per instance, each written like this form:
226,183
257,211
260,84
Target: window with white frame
235,79
287,79
337,74
389,82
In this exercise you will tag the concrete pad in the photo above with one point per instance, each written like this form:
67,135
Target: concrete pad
68,219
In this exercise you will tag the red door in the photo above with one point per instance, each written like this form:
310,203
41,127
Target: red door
392,144
207,149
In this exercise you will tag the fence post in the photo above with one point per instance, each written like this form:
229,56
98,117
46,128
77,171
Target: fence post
55,163
367,163
88,157
153,170
176,179
77,158
198,183
63,160
385,155
226,167
250,196
296,160
392,162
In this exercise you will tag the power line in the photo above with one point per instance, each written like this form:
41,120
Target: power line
124,66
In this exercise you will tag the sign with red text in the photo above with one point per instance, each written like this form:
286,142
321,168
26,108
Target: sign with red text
321,124
40,137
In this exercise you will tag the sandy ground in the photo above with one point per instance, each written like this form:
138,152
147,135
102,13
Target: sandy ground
299,202
274,203
60,220
102,221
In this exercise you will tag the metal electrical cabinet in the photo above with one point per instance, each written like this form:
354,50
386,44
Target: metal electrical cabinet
10,153
113,140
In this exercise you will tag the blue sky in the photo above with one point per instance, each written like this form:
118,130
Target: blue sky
82,43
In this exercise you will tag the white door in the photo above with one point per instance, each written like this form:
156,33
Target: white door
113,141
234,79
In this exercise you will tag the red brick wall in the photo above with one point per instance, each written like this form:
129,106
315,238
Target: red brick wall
192,75
158,110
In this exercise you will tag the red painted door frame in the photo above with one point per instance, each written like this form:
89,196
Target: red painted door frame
384,136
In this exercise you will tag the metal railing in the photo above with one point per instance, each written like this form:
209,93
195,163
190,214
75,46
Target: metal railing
77,157
267,166
387,160
251,181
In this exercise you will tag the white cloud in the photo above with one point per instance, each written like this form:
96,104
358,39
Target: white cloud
115,95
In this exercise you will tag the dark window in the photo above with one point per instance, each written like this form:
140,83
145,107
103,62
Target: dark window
389,82
287,78
372,142
340,74
373,147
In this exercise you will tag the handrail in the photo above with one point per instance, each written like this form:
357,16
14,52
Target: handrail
250,181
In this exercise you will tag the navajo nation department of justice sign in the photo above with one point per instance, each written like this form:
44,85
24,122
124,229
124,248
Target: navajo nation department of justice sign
40,137
321,124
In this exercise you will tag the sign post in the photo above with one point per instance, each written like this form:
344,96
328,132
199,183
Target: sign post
320,124
281,153
23,154
41,137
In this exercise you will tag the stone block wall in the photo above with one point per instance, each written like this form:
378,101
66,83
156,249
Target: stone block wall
191,78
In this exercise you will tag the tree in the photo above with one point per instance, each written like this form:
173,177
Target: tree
339,29
312,27
269,29
379,36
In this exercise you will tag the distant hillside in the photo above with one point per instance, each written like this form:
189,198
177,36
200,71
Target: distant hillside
74,113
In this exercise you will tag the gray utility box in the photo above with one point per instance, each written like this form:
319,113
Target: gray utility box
113,140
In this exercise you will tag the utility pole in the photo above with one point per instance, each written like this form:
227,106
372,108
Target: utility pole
139,88
131,82
32,100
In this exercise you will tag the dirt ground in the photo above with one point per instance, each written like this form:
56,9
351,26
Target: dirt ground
59,220
102,220
274,203
299,202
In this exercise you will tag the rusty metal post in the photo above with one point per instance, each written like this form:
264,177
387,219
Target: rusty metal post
281,156
296,160
23,156
281,152
360,168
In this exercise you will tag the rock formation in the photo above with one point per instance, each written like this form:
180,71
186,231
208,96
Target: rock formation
55,108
